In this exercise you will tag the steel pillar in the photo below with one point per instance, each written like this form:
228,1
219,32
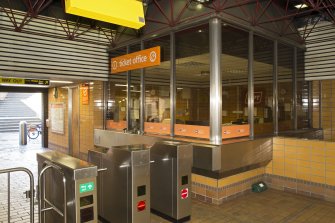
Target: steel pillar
251,84
142,101
294,89
275,88
215,50
173,89
128,95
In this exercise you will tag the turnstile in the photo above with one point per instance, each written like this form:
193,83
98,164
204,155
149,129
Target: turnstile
124,189
171,170
67,189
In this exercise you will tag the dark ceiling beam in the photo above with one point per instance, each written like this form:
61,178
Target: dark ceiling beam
289,16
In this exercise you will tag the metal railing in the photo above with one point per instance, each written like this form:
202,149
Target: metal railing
42,200
30,193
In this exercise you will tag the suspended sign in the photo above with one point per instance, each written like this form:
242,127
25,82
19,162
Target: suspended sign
141,59
22,81
127,13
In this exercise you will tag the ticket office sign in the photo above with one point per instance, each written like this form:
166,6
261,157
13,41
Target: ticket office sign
141,59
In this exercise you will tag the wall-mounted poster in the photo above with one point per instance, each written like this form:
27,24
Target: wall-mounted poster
57,117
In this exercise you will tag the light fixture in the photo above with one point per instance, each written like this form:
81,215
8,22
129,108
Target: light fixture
61,82
25,85
301,6
203,1
199,6
200,31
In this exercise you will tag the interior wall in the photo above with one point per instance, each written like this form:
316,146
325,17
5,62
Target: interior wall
309,160
59,141
90,117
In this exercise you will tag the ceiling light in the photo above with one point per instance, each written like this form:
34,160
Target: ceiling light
199,6
61,82
301,6
200,31
202,1
24,85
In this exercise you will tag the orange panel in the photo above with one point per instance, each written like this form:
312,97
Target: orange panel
141,59
234,131
192,131
158,128
110,124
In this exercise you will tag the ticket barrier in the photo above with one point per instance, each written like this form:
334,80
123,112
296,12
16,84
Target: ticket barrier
124,188
171,168
67,189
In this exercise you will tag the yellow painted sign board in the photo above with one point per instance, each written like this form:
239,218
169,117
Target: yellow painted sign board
141,59
127,13
21,81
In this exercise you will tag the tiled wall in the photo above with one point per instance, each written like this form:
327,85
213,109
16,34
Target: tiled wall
56,140
217,191
303,166
91,117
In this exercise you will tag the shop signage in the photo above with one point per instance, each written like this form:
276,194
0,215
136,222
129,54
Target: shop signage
141,59
258,96
21,81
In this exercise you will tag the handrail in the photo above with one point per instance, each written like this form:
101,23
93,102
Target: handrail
31,176
41,190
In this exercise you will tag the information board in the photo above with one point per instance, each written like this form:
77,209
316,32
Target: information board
57,117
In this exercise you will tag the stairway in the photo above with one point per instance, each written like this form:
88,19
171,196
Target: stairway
13,110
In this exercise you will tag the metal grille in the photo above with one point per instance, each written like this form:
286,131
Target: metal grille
34,54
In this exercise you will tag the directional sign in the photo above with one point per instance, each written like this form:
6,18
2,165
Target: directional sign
86,187
22,81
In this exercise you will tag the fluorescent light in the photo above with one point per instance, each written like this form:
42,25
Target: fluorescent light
62,82
301,6
25,85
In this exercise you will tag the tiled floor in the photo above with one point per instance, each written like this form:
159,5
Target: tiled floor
268,207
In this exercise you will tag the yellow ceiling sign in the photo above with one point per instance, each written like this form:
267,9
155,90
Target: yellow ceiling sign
21,81
127,13
8,80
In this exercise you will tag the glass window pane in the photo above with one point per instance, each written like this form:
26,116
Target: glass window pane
303,92
117,98
234,68
285,93
192,75
135,94
263,85
157,90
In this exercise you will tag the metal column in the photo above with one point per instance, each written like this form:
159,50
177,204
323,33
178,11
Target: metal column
105,103
320,104
69,117
128,95
275,88
215,49
142,101
294,89
173,90
251,84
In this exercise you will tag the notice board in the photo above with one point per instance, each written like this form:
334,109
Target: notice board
57,117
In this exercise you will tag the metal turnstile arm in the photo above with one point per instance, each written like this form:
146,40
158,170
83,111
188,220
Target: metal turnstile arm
41,189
